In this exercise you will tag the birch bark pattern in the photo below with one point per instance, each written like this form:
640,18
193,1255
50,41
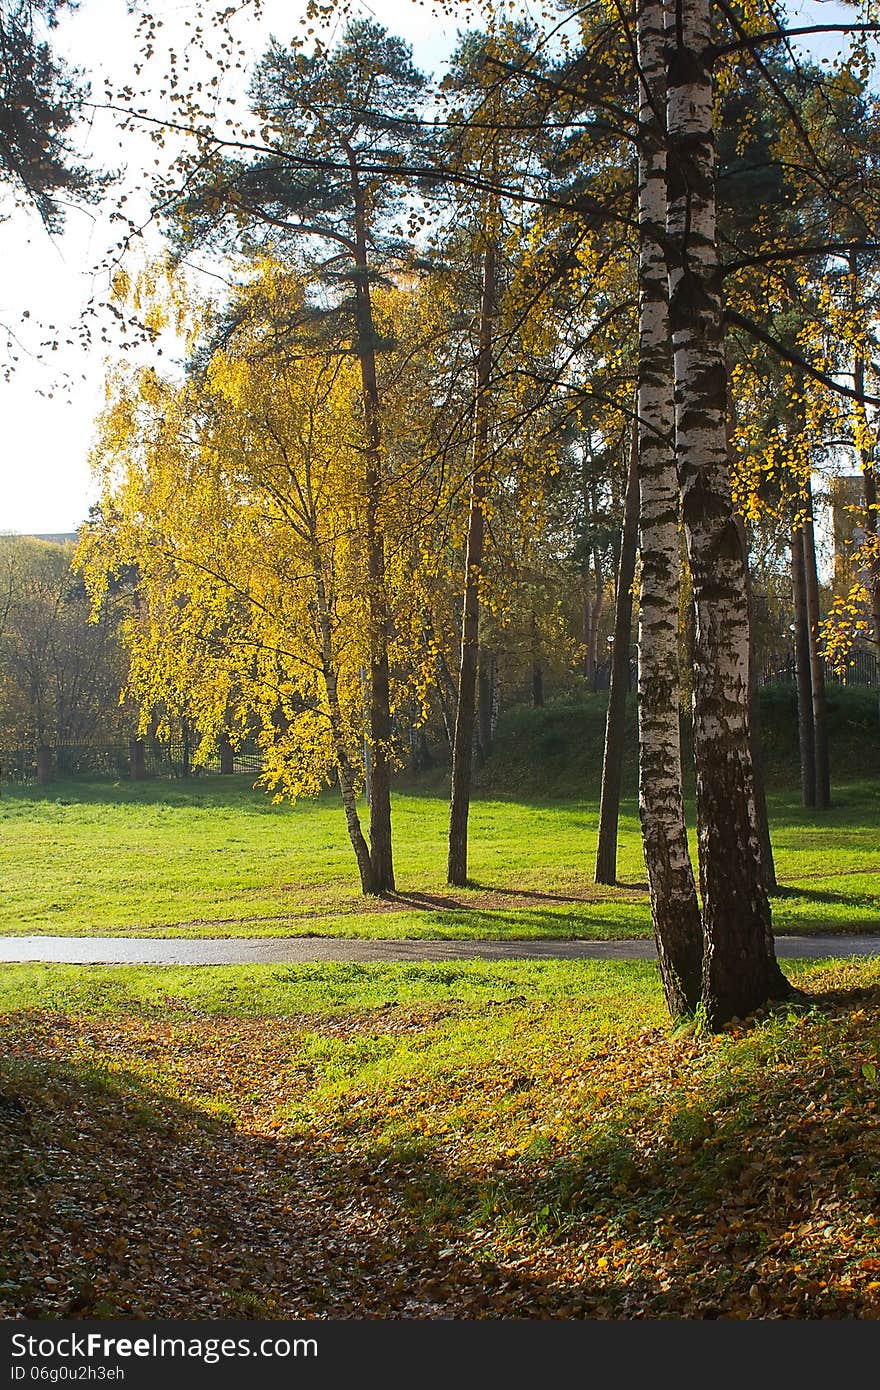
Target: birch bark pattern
463,741
674,907
612,761
740,972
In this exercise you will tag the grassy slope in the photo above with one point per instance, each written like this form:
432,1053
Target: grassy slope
557,750
218,859
461,1140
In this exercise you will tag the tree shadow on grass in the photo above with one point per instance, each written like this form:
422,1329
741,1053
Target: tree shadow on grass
738,1180
829,898
121,1201
600,895
588,923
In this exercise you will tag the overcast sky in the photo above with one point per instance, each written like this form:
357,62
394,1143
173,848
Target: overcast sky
47,426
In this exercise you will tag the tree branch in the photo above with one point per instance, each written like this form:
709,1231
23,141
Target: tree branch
795,359
752,41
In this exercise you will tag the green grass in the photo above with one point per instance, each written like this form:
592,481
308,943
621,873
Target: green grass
468,1140
213,857
329,988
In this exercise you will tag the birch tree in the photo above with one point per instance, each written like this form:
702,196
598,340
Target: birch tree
740,972
238,494
674,907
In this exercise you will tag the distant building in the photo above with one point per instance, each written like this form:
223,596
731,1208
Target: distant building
848,529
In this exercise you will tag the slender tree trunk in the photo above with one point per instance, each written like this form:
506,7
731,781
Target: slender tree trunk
446,697
537,685
589,672
612,762
674,906
817,670
45,765
343,763
740,972
137,749
802,669
462,750
767,863
381,855
537,668
596,615
227,755
598,597
496,697
872,526
484,705
869,482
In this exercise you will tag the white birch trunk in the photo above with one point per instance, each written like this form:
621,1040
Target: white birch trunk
739,966
674,906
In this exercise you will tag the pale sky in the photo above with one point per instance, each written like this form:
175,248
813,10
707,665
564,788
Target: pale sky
45,484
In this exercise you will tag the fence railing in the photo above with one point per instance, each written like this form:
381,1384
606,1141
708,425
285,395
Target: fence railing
118,760
862,669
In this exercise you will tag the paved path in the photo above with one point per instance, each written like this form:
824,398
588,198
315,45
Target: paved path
122,950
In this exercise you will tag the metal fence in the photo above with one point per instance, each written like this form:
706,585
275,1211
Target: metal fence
862,669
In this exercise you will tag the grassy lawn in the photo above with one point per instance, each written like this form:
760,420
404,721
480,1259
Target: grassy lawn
213,857
469,1140
210,858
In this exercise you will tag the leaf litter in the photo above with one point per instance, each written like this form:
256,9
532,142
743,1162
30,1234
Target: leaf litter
442,1160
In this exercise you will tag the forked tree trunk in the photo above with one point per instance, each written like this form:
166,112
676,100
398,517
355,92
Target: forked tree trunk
817,670
802,669
674,907
381,856
740,972
618,685
463,742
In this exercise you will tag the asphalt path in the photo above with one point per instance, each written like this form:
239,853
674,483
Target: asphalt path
303,950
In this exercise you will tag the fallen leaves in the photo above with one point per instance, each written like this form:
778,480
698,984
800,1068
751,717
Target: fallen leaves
410,1161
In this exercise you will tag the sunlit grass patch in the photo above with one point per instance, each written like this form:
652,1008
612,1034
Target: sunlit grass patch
215,858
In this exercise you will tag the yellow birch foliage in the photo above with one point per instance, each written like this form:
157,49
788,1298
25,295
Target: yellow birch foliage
237,495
